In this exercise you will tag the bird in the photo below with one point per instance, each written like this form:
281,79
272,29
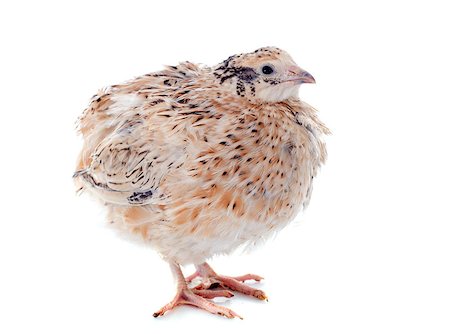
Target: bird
198,161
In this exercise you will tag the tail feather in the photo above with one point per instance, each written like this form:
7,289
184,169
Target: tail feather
79,173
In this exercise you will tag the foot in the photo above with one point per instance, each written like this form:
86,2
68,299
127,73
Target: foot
211,280
187,296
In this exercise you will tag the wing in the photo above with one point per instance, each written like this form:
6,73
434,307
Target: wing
128,167
120,160
110,106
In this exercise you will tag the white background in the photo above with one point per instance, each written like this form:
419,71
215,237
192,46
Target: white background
371,254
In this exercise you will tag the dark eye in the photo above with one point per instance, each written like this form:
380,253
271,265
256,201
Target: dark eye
267,69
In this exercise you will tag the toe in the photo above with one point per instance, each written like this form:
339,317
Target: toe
230,314
248,277
210,294
193,299
260,295
190,278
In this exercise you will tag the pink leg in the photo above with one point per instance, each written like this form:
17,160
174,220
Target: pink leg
186,296
211,280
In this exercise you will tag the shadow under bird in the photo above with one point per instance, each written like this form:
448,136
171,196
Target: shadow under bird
199,161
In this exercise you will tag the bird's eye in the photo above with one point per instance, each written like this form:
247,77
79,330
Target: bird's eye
267,69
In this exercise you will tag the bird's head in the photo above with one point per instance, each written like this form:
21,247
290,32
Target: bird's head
268,74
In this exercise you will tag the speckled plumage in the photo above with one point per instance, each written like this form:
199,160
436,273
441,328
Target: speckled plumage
200,160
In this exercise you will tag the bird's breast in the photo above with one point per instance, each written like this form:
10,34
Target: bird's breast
251,170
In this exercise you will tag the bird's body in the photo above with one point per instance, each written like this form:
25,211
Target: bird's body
197,160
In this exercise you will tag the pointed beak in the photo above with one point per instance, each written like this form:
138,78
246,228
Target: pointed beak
299,75
305,77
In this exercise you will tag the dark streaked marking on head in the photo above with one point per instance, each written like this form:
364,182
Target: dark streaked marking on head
246,74
240,88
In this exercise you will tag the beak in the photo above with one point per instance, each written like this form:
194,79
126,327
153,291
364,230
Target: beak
299,76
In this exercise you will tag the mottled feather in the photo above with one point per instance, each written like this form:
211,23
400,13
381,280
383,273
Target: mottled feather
200,160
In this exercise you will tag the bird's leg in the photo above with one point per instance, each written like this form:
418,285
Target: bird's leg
211,280
187,296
